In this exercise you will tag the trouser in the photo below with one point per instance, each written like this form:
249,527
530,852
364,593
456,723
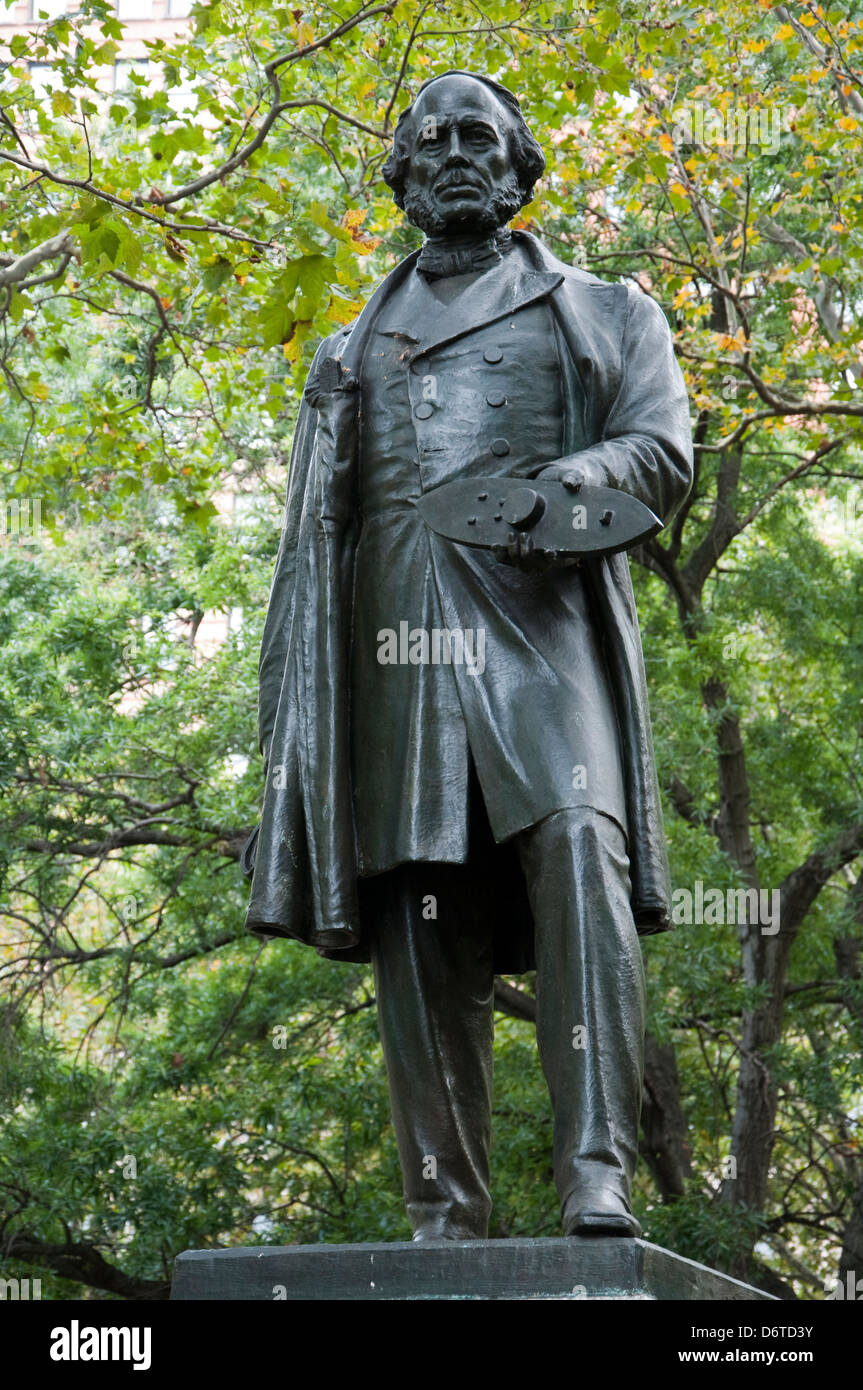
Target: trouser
432,954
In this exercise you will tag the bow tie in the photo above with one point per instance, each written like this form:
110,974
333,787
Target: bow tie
441,257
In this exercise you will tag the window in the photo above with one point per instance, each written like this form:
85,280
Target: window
179,9
51,8
44,78
182,98
124,67
134,9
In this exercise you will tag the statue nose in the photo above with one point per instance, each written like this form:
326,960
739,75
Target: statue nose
455,154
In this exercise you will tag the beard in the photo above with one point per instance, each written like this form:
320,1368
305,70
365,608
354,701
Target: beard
504,201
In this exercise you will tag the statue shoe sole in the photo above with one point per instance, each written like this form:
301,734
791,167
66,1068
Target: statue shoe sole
584,1223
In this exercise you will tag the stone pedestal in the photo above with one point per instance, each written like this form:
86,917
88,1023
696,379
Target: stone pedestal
579,1267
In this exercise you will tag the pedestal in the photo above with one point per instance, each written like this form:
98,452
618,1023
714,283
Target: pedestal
579,1267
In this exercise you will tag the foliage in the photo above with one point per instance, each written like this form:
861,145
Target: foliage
174,251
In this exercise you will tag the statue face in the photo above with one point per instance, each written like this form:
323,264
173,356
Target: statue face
461,178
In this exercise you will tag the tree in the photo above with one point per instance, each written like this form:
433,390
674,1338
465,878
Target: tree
171,270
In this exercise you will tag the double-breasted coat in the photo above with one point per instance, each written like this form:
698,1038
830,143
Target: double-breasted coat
624,414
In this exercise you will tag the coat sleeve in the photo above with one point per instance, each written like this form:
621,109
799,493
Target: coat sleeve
646,446
277,626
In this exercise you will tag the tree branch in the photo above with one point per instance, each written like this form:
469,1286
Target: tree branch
62,244
84,1264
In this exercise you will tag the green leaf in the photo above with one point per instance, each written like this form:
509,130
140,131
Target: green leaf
62,103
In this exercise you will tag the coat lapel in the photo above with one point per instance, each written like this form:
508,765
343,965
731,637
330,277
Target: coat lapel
421,317
351,354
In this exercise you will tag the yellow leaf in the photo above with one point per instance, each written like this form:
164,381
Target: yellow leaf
62,104
679,189
784,31
343,310
847,123
666,144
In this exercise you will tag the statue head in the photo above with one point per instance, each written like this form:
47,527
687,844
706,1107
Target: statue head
463,160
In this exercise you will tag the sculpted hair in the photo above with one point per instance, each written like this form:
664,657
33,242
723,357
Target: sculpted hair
528,159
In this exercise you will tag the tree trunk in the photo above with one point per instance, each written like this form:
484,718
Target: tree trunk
664,1146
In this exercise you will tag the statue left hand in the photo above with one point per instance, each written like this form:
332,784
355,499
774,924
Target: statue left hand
574,473
521,552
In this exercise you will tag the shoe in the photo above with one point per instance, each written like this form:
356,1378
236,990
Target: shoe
599,1209
434,1235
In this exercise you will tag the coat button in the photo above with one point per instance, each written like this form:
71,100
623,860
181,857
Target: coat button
496,398
424,410
493,354
500,448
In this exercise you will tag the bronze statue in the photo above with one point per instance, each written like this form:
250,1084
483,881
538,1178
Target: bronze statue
460,776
